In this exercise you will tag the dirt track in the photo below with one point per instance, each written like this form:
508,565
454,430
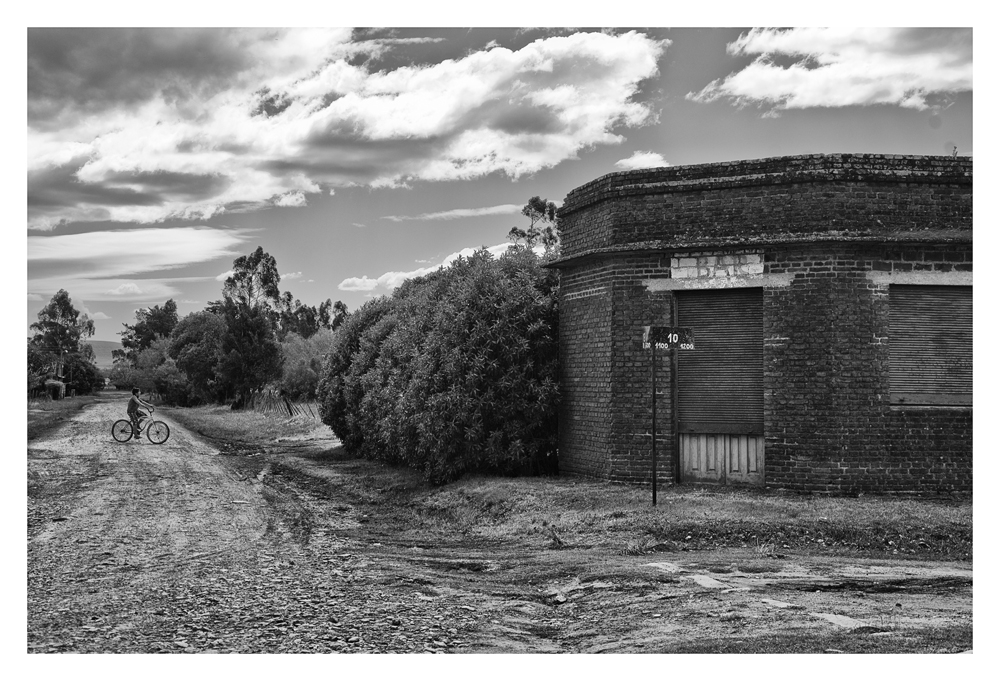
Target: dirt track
139,548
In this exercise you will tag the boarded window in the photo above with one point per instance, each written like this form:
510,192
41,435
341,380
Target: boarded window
930,344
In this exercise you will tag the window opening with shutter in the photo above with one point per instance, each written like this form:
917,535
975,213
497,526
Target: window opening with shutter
930,345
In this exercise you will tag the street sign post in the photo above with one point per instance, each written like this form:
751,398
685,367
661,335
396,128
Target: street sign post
663,338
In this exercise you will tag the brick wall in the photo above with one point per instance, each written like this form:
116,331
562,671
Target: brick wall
823,236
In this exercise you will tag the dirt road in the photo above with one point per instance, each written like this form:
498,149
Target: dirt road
138,548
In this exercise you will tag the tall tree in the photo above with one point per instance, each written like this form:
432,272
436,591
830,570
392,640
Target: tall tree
251,357
60,327
58,345
254,281
543,228
196,345
151,323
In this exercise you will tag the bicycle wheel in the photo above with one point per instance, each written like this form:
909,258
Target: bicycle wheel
122,430
157,432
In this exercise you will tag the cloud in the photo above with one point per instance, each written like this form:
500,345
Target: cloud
832,67
225,275
144,125
103,265
642,159
127,289
291,275
35,297
457,213
117,289
291,199
391,280
129,251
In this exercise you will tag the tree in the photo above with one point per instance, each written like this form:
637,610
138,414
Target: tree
254,281
60,327
151,323
303,363
196,347
250,354
543,228
58,347
339,314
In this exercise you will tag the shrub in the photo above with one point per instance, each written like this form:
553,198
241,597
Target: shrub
456,372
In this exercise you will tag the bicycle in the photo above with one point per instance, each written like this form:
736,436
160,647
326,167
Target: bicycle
156,431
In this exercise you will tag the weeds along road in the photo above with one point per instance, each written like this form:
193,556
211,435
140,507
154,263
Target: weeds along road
137,548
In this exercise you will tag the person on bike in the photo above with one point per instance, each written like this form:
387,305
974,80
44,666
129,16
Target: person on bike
134,413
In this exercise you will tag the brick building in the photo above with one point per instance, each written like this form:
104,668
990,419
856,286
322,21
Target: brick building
830,300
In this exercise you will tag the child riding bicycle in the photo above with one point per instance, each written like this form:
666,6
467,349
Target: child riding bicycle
134,413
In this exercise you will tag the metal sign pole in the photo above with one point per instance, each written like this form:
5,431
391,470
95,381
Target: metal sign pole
652,374
673,338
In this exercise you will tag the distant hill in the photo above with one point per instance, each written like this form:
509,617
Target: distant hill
102,352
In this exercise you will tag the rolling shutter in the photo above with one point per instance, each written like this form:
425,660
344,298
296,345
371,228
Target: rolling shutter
720,384
930,344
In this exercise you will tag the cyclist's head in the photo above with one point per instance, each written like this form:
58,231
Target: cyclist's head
135,391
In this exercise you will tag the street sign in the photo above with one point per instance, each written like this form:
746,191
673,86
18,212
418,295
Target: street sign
668,337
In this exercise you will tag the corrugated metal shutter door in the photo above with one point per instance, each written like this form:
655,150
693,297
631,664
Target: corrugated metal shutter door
930,344
720,384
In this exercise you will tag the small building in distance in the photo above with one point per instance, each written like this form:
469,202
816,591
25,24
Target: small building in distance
830,301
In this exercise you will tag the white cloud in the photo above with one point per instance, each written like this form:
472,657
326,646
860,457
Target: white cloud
457,213
291,275
35,297
225,275
130,289
358,284
99,265
109,141
131,251
642,159
391,280
153,291
291,199
834,67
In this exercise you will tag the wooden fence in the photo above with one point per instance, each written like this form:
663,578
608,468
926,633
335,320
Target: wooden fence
271,403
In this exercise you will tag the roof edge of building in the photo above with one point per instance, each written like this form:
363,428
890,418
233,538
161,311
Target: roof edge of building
773,171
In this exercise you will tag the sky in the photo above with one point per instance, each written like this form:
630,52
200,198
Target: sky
361,157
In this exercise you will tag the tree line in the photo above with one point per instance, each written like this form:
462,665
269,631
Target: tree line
455,371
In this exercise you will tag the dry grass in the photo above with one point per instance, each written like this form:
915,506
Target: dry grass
621,517
248,427
44,414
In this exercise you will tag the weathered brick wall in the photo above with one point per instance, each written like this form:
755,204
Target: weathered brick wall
821,235
585,341
829,423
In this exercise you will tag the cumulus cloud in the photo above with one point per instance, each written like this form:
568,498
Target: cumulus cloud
149,124
457,213
391,280
831,67
225,275
291,275
642,159
291,199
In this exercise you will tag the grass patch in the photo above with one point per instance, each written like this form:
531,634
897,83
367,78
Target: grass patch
244,427
46,415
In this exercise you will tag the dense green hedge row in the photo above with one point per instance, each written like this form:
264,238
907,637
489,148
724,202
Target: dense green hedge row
455,372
